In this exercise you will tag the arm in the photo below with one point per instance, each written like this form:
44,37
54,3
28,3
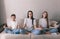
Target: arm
35,24
18,27
9,27
8,24
40,22
39,26
24,25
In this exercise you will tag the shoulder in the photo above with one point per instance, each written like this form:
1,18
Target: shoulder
25,18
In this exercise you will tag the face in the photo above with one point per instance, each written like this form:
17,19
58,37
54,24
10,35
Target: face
30,14
13,18
44,15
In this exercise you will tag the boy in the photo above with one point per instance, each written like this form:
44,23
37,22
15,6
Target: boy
12,25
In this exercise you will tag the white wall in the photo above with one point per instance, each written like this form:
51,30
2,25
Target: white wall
2,12
56,15
58,6
20,7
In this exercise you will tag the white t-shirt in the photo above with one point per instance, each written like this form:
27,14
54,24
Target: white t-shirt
43,22
12,24
28,22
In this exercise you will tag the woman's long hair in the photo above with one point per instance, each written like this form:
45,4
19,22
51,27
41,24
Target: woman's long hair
31,16
46,18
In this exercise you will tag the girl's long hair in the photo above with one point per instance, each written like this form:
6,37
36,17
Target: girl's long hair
31,16
46,18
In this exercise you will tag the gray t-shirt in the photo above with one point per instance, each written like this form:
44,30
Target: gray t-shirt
29,25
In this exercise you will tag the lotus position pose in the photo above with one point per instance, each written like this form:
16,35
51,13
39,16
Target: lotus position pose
44,23
12,26
30,23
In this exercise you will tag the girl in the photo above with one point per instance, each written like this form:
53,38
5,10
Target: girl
30,22
43,22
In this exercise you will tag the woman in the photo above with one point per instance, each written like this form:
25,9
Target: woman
30,23
43,22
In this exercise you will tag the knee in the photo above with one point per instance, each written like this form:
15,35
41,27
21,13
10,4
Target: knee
54,30
36,32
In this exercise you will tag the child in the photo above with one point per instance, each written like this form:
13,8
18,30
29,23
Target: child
43,22
12,25
30,23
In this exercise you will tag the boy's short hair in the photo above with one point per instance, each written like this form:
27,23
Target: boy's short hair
13,15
